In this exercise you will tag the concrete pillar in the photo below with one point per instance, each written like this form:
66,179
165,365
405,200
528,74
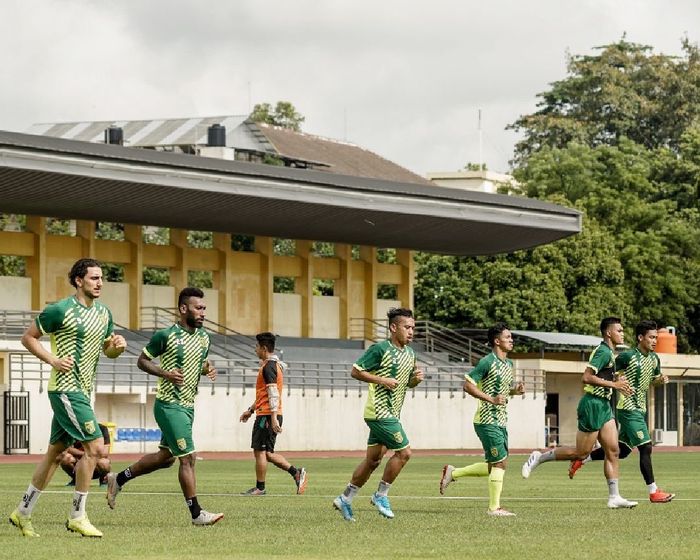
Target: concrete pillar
304,286
36,264
263,246
85,230
222,276
133,272
408,273
178,274
343,253
368,255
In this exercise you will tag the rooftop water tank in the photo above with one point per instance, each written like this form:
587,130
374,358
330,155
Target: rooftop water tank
667,343
114,135
216,135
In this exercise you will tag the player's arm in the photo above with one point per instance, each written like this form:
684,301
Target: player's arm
471,388
621,384
114,346
145,363
209,370
416,377
362,375
30,340
269,374
248,413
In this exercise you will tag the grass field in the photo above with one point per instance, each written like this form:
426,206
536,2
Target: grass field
556,517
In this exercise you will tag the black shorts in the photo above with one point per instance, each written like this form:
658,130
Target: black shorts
263,436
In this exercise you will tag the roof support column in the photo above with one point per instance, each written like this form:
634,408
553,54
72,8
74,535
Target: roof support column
369,256
133,272
304,286
263,246
343,253
223,275
178,274
85,230
36,264
408,273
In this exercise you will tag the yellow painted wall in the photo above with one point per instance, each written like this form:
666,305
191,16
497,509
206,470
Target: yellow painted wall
242,297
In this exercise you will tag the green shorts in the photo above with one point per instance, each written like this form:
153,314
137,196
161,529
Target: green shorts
494,440
633,428
73,418
175,423
387,432
593,413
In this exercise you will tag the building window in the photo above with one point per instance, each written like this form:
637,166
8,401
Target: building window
283,285
387,291
243,243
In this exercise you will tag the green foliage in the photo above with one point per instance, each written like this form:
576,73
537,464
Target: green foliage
387,256
471,166
323,249
245,243
387,291
284,114
200,278
200,239
283,285
284,247
55,226
109,230
156,276
156,235
618,139
323,287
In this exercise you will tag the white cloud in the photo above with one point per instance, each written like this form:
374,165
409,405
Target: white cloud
403,78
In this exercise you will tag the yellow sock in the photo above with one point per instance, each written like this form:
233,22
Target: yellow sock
495,487
477,469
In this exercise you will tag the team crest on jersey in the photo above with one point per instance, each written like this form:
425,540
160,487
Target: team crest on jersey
494,452
90,427
181,444
640,435
398,437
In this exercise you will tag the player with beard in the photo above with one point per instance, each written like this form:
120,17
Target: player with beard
182,349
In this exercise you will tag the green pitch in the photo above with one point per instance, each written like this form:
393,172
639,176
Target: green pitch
556,517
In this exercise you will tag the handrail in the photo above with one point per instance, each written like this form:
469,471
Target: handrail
123,376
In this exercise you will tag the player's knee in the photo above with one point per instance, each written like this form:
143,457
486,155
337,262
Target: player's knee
104,465
374,463
168,462
643,450
404,455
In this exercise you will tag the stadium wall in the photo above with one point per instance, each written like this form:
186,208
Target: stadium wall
312,421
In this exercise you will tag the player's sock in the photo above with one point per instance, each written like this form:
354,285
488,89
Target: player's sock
124,477
28,501
78,509
495,487
350,492
613,489
652,487
193,504
477,469
383,488
292,470
260,484
547,456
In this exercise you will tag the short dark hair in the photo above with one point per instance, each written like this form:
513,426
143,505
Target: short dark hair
79,269
266,340
395,312
494,332
187,293
643,327
607,322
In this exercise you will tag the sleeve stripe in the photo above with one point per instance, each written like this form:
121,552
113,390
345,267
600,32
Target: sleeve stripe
468,378
38,326
145,351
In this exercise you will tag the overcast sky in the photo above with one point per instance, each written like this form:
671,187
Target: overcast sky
403,78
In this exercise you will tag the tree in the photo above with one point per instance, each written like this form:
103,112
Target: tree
626,90
284,114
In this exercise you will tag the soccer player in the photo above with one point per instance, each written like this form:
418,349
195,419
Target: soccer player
268,417
492,382
183,349
70,457
79,327
389,367
595,418
641,367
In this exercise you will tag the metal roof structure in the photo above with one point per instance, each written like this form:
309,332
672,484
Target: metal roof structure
568,340
68,179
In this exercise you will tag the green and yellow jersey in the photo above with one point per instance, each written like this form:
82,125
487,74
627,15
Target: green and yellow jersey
494,377
183,350
602,362
640,370
78,331
385,360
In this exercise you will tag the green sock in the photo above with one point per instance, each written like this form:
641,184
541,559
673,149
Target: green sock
477,469
495,487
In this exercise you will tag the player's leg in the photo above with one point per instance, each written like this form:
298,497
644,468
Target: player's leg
451,474
67,462
373,458
391,435
262,438
608,438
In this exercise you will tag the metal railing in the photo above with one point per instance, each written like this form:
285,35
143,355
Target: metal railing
441,343
123,376
225,341
14,323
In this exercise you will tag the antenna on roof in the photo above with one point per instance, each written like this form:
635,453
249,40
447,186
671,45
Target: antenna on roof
481,145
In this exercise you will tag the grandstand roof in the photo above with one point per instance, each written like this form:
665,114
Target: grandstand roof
70,179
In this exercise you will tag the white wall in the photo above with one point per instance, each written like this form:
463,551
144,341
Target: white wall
15,293
115,295
286,315
326,317
311,422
